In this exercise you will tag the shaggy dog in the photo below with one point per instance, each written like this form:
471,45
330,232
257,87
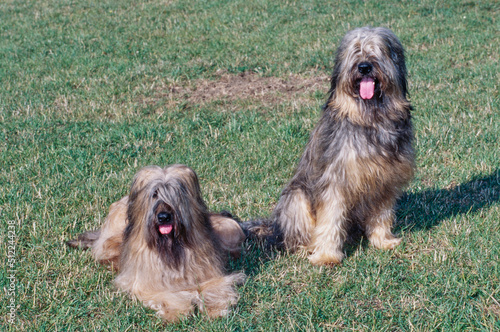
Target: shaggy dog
168,250
359,156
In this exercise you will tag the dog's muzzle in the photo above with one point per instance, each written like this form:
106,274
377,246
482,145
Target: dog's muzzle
165,224
367,84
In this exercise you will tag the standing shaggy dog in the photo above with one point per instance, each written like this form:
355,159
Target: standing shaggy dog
168,250
358,157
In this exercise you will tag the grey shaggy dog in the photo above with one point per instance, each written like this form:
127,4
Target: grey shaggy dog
359,156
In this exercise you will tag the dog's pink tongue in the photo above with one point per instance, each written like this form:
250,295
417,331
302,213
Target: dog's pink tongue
165,229
367,88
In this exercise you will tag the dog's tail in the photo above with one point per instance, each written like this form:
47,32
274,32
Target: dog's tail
84,240
263,230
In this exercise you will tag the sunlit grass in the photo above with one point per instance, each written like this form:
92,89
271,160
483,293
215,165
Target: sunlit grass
75,126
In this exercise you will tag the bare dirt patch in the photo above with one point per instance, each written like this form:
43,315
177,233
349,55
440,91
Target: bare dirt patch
244,86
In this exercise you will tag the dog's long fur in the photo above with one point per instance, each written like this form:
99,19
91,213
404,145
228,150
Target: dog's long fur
359,156
175,270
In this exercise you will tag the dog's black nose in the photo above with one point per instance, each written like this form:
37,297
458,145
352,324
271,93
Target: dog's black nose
164,217
365,68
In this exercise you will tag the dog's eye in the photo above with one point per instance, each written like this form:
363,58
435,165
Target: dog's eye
155,194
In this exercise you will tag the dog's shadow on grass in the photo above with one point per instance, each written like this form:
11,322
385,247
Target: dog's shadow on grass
427,209
424,210
255,254
414,212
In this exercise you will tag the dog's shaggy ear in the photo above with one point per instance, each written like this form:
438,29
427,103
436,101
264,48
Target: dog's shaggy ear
84,240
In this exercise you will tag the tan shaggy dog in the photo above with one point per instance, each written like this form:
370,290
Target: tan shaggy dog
168,250
359,156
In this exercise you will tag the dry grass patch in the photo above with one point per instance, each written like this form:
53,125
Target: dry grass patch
241,87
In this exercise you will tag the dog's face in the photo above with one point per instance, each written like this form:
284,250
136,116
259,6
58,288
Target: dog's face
166,211
370,65
164,230
163,221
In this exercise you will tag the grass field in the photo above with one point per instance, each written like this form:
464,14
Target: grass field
91,91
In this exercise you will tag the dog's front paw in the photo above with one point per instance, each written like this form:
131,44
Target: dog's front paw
385,241
326,258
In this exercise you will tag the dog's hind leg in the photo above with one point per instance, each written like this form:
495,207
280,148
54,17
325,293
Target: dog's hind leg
228,232
85,240
106,242
294,219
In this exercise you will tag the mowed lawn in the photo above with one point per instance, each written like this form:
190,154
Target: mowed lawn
91,91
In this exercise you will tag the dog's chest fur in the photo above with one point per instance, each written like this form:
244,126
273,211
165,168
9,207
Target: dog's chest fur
351,159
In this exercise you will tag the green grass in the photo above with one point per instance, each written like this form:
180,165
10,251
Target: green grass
75,127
